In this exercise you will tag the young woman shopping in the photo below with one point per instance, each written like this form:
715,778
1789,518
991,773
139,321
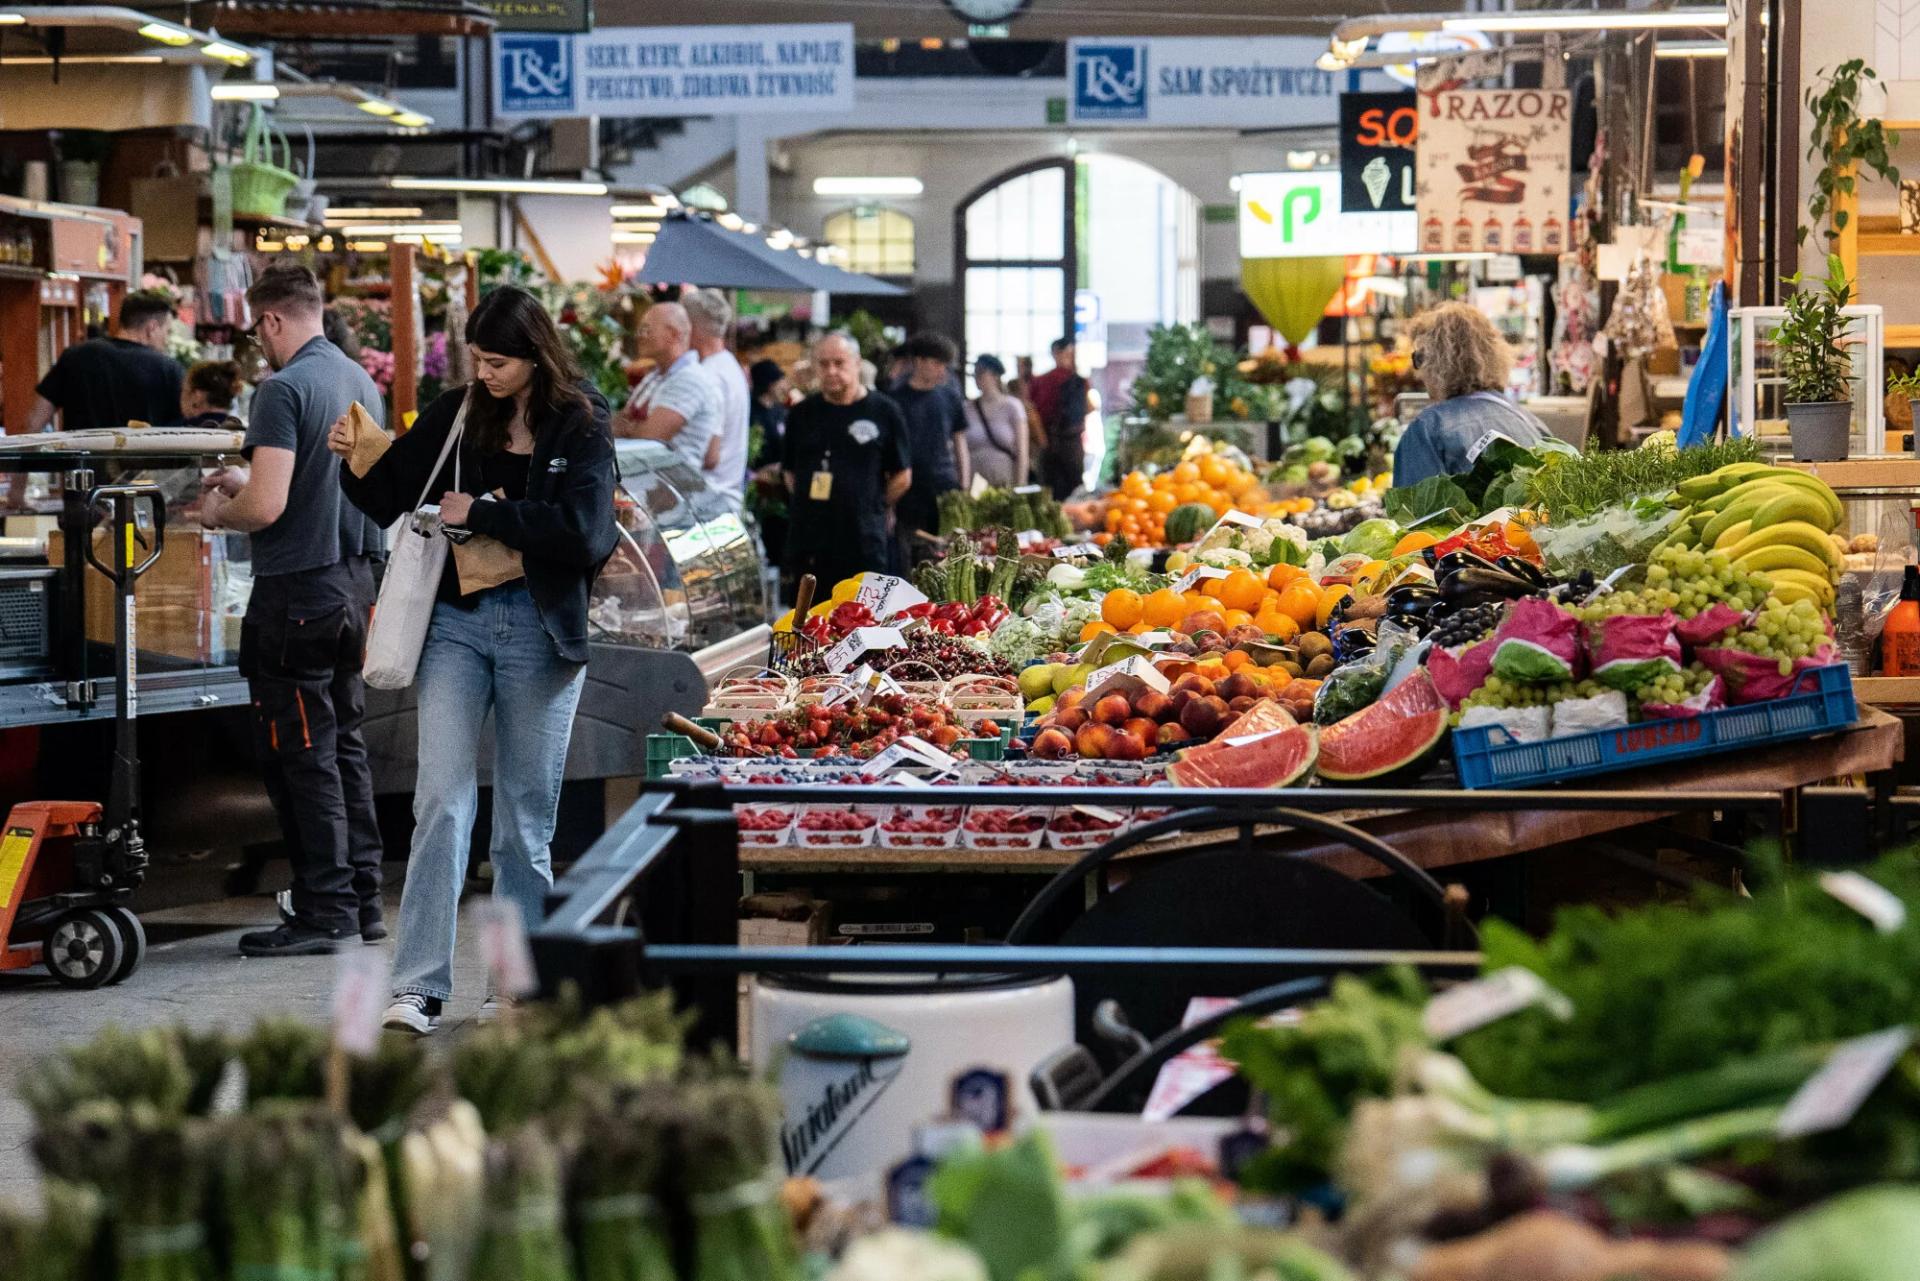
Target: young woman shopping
996,427
534,472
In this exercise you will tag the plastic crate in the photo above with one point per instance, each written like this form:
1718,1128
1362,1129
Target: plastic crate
1485,756
664,749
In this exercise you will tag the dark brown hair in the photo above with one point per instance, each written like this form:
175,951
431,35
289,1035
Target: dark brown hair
141,306
217,380
286,287
511,322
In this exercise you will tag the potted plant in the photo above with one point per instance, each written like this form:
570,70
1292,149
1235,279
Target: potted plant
1904,390
1815,366
1843,140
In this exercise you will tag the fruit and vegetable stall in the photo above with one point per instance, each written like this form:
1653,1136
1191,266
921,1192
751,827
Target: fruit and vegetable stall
1549,616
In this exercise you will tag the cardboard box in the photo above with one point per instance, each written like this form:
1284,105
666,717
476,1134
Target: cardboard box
172,600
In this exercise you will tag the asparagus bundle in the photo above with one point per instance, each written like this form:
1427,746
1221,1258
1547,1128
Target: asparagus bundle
59,1245
534,1066
286,1059
117,1066
285,1178
726,1151
522,1233
620,1227
151,1174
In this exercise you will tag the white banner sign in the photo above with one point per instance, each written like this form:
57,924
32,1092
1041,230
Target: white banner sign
675,71
1298,215
1269,81
1493,167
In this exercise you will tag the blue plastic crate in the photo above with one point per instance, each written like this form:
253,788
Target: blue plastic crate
1485,756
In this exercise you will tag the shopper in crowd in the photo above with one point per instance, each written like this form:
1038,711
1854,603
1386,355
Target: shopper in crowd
996,428
1060,398
935,414
1018,387
534,472
1464,364
339,332
711,316
302,640
110,382
767,493
847,465
899,367
206,399
678,403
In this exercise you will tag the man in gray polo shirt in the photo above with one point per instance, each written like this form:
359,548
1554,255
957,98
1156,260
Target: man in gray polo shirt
305,632
679,403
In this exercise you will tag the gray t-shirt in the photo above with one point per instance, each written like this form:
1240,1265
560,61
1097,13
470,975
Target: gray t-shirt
294,410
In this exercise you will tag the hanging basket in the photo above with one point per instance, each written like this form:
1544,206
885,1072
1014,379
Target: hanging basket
261,187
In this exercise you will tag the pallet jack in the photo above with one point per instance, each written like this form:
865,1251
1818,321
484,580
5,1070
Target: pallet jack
69,868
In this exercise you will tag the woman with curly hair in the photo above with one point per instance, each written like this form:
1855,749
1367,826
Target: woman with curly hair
1464,364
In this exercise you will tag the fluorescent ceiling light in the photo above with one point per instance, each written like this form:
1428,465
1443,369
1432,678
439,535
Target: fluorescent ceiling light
412,120
90,60
12,20
166,35
639,211
731,221
244,92
868,186
226,53
1476,256
504,186
636,226
375,107
367,246
438,230
1691,49
1586,20
364,212
633,237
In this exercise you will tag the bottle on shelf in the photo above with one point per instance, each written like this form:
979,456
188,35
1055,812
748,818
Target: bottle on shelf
1463,234
1522,235
1491,235
1433,237
1900,637
1552,237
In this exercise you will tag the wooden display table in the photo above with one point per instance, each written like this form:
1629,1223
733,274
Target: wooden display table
1890,474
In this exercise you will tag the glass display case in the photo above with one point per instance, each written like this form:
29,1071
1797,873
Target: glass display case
1758,391
686,573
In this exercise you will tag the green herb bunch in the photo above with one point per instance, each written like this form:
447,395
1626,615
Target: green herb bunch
1812,362
1569,486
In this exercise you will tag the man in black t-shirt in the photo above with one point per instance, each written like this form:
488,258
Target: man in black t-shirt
846,463
110,382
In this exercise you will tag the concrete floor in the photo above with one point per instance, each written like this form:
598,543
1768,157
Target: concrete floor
193,974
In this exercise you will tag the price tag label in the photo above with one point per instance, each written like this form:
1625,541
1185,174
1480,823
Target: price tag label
1867,897
1241,740
1460,1010
361,989
1832,1095
1152,640
884,596
848,689
1079,551
1101,813
910,751
1232,517
1029,538
1198,574
1135,669
861,640
1026,489
1702,246
503,943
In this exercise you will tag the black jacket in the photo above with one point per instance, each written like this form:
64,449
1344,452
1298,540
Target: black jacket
564,529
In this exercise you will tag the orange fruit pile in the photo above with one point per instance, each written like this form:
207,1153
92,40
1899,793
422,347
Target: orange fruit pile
1138,509
1283,603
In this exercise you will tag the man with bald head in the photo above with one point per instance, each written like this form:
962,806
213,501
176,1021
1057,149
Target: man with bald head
679,403
846,464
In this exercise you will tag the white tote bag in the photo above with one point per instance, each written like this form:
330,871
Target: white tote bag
411,586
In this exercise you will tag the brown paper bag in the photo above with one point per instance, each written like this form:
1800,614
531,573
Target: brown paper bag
369,442
482,562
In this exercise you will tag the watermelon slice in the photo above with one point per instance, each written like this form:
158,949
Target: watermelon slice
1395,737
1267,751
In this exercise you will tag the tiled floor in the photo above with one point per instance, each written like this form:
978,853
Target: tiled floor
192,974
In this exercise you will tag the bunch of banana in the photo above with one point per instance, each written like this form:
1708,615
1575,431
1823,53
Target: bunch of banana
1767,520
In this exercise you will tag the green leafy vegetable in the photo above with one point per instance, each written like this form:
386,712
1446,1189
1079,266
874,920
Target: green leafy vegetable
1440,496
1572,485
1008,1205
1869,1235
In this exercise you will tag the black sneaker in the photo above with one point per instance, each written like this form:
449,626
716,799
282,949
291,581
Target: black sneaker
412,1012
292,939
373,925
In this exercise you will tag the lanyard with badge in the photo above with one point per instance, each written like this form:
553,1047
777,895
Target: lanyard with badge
820,488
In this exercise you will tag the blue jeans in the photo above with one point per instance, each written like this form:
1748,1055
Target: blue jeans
495,656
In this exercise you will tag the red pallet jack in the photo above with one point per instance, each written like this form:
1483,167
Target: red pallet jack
69,868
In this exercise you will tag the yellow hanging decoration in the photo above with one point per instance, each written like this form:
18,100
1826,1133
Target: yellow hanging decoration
1292,293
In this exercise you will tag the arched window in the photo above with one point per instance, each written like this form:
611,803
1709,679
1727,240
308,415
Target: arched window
877,241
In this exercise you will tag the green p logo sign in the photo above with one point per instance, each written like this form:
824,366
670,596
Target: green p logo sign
1293,200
